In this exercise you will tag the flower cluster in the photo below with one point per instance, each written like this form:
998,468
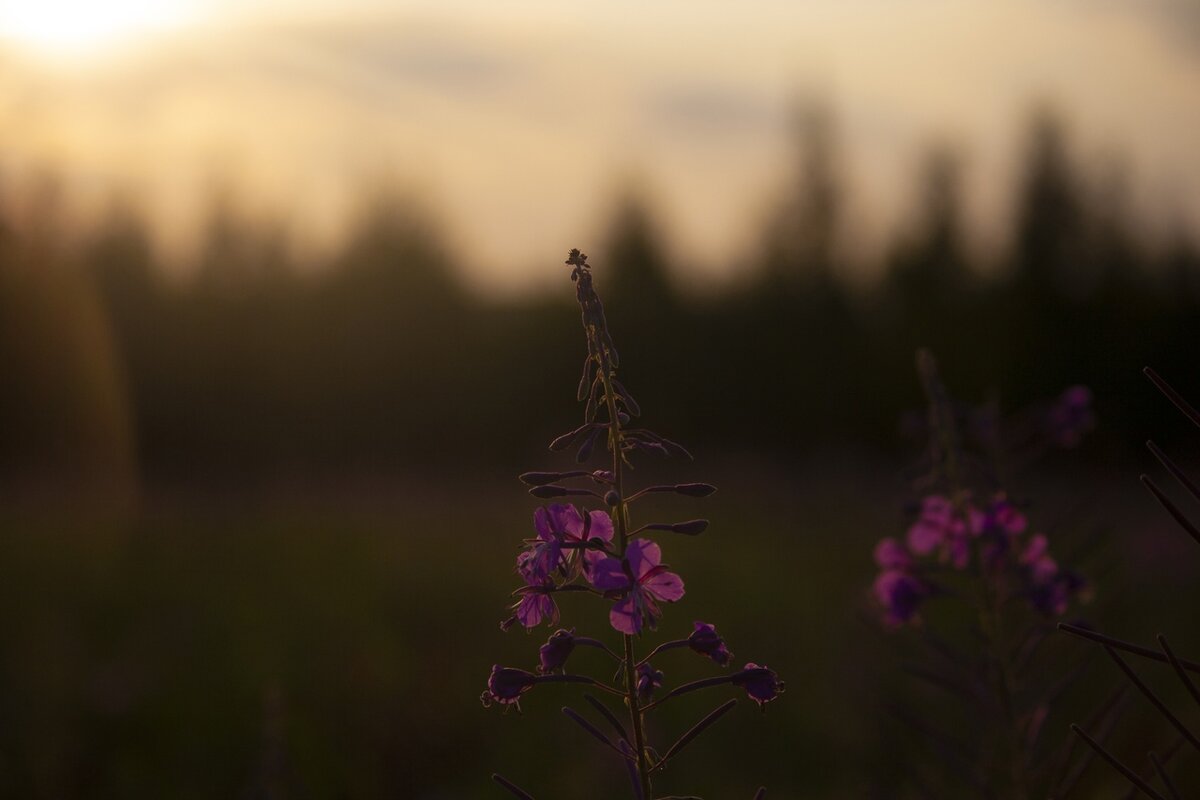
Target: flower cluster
970,548
580,550
954,534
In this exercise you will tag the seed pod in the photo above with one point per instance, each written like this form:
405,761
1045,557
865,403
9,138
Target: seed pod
694,489
542,478
585,451
571,437
546,492
627,398
585,379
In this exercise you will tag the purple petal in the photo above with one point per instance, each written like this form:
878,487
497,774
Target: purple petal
608,574
535,607
924,537
542,524
602,526
662,585
625,616
565,518
643,555
537,563
890,554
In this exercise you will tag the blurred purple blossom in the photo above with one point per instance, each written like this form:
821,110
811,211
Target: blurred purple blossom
900,594
1071,416
940,527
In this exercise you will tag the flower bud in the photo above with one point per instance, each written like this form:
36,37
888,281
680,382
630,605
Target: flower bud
542,478
648,679
707,642
611,497
554,653
506,685
551,490
761,683
694,489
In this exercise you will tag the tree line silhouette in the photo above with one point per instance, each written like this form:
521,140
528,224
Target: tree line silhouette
382,360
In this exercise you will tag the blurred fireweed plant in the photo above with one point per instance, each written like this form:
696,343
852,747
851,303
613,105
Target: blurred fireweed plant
1146,782
971,552
599,552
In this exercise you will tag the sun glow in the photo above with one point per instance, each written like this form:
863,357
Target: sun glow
68,26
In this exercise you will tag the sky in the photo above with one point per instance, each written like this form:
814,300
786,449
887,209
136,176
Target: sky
520,124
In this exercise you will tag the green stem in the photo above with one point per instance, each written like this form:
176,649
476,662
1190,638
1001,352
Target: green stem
621,520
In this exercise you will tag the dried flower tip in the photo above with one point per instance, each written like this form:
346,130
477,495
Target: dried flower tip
576,258
507,624
542,478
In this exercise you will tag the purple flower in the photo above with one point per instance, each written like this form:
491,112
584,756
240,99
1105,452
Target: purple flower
1053,597
1050,587
939,527
1001,516
761,683
554,653
506,685
1036,558
537,603
707,642
648,679
1071,416
999,525
900,594
640,579
890,554
556,525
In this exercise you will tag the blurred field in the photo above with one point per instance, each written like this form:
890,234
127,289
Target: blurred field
333,644
258,506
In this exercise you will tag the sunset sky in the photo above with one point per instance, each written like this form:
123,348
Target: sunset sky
519,123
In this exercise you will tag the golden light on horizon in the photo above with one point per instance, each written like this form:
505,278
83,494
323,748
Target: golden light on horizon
66,27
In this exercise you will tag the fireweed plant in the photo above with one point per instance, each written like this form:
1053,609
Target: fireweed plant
1153,779
971,561
599,552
